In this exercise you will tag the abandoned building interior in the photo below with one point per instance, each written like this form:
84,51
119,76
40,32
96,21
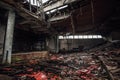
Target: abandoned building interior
59,39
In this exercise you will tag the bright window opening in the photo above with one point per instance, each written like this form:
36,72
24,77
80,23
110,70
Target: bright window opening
95,36
70,37
90,36
76,37
81,37
85,37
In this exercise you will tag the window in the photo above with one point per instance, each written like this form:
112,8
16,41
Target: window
85,37
70,37
81,37
90,36
60,37
95,36
76,37
99,36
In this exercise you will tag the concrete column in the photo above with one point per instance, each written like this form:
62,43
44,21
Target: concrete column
56,44
9,38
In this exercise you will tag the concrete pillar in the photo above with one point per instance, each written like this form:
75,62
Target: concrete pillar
56,44
9,38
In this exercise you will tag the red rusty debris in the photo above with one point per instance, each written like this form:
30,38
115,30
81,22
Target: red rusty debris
55,78
54,57
92,67
41,76
86,74
30,70
36,75
7,69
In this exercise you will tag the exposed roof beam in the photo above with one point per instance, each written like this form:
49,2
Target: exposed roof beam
57,4
59,17
6,6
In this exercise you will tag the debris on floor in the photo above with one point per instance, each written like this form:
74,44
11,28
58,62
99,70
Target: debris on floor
60,67
91,65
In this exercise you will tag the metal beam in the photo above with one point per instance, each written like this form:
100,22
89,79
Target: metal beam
9,38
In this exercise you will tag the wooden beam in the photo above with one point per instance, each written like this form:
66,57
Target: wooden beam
6,6
57,4
57,18
106,69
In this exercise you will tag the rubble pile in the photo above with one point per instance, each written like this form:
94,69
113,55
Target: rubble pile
109,54
80,66
76,66
97,64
